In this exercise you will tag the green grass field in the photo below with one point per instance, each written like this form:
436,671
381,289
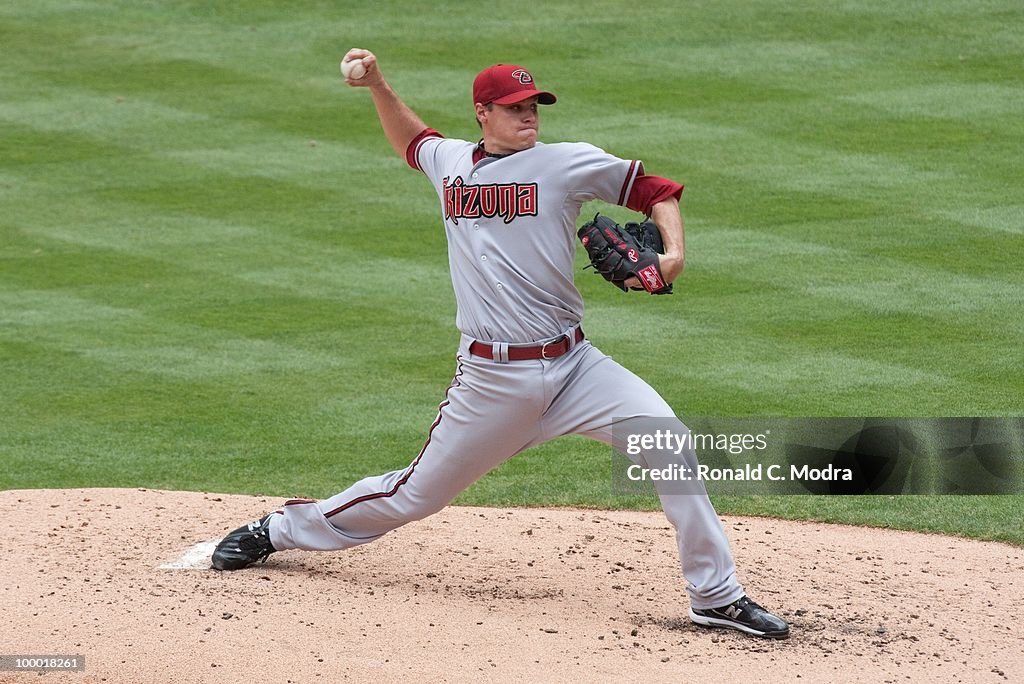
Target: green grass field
215,275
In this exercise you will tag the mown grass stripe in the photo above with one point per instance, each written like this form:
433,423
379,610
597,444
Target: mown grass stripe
214,273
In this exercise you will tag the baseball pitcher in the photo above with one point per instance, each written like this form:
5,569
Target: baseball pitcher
526,372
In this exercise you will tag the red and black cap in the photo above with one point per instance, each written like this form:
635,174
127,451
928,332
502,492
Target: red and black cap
507,84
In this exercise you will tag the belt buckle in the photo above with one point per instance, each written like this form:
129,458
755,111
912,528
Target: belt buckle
544,347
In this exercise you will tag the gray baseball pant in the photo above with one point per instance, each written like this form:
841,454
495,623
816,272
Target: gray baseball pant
492,412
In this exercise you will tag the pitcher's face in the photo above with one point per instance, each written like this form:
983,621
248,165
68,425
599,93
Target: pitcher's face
510,128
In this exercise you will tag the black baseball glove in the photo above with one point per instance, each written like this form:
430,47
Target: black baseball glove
622,252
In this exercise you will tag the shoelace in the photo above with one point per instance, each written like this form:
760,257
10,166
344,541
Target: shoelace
748,606
258,530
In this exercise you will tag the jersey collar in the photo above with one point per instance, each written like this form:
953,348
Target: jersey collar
481,153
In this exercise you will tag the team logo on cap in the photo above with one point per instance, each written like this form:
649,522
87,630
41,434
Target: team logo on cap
523,76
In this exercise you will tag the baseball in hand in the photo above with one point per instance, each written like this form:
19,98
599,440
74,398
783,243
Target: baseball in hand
353,69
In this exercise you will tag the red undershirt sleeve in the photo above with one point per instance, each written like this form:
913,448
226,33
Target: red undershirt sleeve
414,145
649,190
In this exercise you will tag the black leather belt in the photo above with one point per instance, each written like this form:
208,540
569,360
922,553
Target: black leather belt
548,350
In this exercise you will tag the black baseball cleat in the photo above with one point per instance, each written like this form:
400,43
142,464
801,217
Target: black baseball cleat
744,615
244,546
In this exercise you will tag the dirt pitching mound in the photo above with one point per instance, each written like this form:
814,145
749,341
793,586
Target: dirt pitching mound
483,594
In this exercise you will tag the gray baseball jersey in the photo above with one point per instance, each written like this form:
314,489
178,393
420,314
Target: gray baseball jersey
511,230
510,223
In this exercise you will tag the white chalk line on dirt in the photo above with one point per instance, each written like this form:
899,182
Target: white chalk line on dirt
196,557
